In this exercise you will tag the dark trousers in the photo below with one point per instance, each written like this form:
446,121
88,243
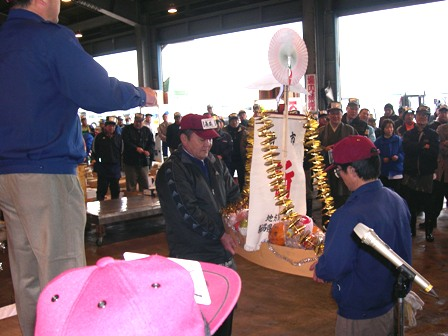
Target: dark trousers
395,185
439,193
104,183
419,201
164,149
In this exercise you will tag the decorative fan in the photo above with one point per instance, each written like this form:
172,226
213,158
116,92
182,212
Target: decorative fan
288,57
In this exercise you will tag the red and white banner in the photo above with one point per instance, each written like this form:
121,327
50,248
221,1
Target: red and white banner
263,212
311,88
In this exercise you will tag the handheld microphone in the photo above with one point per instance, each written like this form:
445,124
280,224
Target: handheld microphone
369,237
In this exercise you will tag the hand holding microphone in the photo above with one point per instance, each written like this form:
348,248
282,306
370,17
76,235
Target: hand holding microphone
369,237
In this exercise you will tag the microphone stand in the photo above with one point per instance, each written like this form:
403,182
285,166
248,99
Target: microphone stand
401,288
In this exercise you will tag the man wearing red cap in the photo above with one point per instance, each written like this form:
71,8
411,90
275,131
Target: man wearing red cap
362,280
193,186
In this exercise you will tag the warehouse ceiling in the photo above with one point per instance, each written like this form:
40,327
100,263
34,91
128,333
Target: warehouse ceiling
101,20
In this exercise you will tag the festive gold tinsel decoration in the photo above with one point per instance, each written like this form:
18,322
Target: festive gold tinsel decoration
314,149
275,174
274,171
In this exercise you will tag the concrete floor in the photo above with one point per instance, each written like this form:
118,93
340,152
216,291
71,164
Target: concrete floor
274,303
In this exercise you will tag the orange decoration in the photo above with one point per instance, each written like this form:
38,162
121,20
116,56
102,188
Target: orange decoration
277,234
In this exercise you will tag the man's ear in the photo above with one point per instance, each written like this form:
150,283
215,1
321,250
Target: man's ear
183,137
351,170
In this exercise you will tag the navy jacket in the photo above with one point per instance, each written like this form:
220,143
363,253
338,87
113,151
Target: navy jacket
46,76
362,280
388,148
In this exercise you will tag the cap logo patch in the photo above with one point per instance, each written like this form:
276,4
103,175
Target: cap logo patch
209,123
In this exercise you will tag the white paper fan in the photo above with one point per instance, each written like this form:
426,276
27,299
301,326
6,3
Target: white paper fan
288,56
268,82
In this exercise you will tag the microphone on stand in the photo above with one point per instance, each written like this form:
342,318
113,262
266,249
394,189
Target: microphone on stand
369,237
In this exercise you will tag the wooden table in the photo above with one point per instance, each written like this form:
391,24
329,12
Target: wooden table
101,213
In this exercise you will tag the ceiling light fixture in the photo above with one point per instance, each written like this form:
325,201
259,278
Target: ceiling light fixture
66,0
78,34
172,9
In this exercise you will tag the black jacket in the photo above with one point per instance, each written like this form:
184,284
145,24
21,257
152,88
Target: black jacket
133,138
191,205
173,136
418,160
359,125
223,146
107,153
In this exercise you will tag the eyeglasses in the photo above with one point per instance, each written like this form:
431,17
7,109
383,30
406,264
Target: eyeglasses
336,171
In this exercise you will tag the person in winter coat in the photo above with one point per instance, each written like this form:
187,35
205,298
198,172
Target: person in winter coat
392,156
421,149
193,186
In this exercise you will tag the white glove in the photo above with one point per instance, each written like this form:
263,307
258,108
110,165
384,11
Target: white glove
412,303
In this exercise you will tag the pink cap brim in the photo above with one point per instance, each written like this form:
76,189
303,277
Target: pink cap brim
224,286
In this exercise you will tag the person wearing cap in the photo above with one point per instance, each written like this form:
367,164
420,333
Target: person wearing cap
243,118
328,135
173,133
372,122
400,120
138,154
210,110
408,122
440,183
147,121
257,110
364,116
322,118
106,152
193,186
389,113
46,72
223,145
150,296
362,280
442,117
120,122
351,117
161,130
239,139
421,149
85,127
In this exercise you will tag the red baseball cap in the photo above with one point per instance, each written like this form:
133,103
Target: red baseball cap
203,126
149,296
352,148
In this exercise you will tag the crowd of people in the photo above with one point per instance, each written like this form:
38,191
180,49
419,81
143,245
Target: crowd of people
408,143
137,153
411,151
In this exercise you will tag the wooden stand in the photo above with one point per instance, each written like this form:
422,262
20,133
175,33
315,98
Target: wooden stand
279,258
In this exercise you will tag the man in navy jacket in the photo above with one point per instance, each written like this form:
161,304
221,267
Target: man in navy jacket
46,76
362,280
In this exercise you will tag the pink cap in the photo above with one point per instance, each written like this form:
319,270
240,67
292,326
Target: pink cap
149,296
